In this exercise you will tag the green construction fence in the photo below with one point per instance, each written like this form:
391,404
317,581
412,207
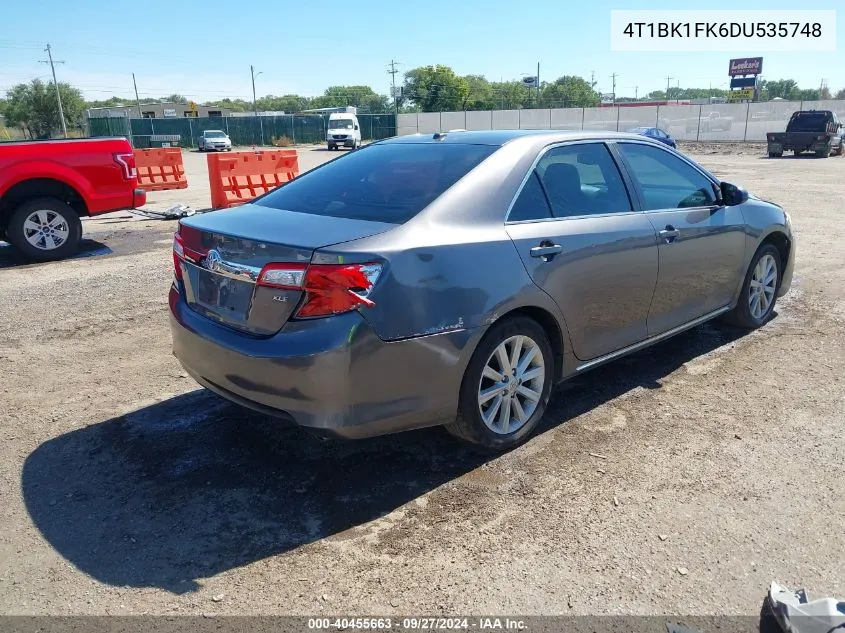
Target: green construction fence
296,129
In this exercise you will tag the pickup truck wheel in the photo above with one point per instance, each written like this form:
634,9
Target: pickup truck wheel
45,229
775,154
823,153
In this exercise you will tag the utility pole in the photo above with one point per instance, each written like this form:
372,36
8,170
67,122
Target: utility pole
255,103
56,84
636,92
392,72
613,77
538,84
668,79
592,78
137,100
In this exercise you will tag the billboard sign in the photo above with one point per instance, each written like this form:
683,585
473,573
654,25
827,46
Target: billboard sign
170,112
743,82
529,82
741,95
746,66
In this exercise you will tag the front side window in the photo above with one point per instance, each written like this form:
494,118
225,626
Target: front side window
583,179
666,181
380,183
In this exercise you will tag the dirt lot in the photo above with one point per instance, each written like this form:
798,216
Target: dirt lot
128,490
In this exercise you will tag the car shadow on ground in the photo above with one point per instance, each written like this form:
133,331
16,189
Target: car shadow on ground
11,257
194,486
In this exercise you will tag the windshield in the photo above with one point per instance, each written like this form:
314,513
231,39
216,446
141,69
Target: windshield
214,134
340,124
808,122
380,183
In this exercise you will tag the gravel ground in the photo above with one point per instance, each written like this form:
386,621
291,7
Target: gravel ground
681,480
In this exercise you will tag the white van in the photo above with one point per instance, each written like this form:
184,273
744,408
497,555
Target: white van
344,131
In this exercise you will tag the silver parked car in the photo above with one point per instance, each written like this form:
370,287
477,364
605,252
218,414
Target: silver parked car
455,278
215,140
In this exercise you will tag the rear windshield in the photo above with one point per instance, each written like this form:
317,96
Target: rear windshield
381,183
808,122
214,134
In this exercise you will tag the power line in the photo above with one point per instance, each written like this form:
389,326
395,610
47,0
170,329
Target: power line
56,84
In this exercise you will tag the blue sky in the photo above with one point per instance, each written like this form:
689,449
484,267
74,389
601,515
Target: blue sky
204,49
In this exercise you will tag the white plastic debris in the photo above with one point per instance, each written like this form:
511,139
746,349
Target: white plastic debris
797,614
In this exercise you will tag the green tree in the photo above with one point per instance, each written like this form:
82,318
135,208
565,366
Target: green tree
782,88
840,94
479,96
508,95
570,91
362,97
174,98
435,88
234,105
109,103
34,108
808,94
286,103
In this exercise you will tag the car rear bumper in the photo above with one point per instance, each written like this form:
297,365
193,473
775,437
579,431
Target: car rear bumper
332,375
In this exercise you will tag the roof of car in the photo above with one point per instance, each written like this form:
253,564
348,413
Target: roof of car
500,137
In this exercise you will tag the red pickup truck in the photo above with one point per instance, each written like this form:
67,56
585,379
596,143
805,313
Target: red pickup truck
47,186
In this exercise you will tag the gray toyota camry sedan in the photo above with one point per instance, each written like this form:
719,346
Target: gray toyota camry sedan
454,278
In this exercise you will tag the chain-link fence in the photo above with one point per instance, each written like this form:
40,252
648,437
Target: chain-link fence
706,122
247,130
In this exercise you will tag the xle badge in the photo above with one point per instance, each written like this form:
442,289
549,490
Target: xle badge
280,298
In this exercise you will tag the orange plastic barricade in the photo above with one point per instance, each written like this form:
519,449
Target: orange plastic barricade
160,169
238,177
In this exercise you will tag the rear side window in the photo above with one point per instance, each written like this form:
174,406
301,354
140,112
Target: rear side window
531,204
381,183
582,179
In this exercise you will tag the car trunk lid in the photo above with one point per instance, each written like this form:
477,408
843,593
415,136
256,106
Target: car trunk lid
225,251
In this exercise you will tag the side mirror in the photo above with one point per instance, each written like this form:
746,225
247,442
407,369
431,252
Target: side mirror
733,195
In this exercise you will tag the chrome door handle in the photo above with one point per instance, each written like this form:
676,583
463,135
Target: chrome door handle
546,250
670,234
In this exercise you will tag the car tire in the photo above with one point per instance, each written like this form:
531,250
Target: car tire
747,314
503,397
775,154
823,153
63,220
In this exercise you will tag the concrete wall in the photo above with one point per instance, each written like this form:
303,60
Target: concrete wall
703,122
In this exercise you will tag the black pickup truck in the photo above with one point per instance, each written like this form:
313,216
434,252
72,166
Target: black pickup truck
816,131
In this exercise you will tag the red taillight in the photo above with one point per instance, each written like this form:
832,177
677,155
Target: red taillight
329,288
127,164
178,255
